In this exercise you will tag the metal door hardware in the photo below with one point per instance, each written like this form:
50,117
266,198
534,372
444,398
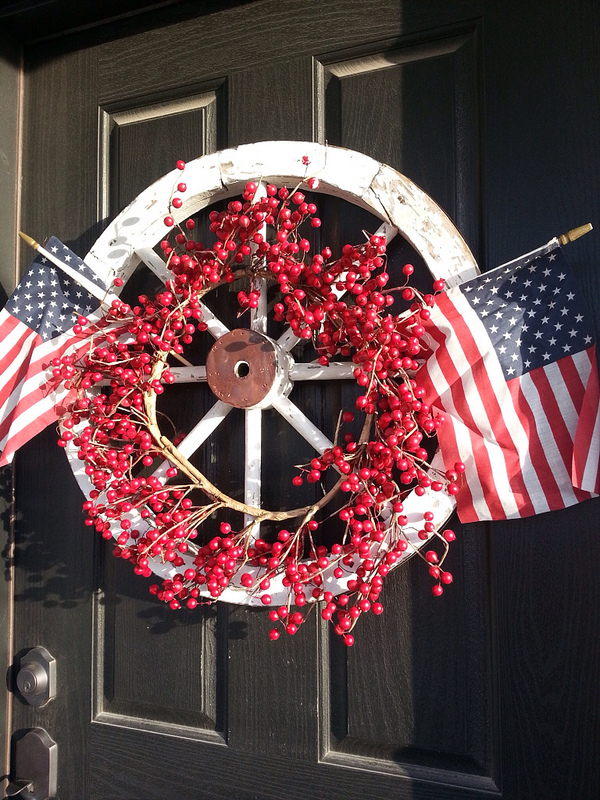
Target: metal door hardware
36,679
36,767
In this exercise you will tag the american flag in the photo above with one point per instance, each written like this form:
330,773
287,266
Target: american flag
35,326
514,371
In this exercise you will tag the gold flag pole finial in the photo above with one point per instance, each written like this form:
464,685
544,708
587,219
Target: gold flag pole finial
570,236
30,241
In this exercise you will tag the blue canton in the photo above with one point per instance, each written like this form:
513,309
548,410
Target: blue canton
533,314
46,299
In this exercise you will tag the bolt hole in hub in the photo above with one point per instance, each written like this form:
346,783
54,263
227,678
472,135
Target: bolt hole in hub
242,369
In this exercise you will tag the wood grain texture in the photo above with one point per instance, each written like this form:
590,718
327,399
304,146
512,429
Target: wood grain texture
144,143
421,106
542,164
54,144
421,696
548,672
213,773
500,687
224,38
53,583
53,588
262,108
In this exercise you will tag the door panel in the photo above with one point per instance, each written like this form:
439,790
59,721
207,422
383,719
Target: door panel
439,698
415,107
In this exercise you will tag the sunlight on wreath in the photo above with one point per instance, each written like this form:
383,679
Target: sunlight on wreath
341,305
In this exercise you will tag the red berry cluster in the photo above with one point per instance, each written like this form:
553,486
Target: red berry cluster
341,304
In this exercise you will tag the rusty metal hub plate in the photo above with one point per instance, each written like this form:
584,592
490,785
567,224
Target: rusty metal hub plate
241,367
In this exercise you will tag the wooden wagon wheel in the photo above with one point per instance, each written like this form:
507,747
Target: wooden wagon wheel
354,177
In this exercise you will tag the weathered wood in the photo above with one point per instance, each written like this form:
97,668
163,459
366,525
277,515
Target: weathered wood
342,173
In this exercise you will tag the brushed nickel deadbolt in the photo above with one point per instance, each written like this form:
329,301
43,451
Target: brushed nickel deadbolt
36,679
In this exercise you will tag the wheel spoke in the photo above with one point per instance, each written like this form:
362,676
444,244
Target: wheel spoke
199,434
215,327
288,340
156,265
258,316
387,230
253,417
301,423
189,374
313,371
203,429
253,458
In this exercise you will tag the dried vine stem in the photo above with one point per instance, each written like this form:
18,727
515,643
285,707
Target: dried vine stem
171,453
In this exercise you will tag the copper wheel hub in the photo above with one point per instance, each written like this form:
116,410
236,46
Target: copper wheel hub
246,369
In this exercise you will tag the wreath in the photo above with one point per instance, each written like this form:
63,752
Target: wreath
163,512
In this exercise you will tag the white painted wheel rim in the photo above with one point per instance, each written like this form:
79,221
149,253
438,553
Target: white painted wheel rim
352,176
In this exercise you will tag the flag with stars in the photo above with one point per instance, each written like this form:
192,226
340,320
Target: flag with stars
514,372
35,326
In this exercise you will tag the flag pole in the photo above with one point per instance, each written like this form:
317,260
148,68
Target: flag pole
106,298
557,241
100,294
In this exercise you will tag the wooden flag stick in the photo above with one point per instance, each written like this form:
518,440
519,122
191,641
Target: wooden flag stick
105,297
570,236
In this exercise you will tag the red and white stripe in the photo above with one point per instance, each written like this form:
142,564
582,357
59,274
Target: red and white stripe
586,447
28,402
516,438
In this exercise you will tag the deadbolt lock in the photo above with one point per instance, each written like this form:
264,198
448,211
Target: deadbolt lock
36,679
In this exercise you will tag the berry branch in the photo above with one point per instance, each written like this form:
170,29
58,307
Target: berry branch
339,304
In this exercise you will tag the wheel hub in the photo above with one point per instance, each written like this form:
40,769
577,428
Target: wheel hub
247,369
